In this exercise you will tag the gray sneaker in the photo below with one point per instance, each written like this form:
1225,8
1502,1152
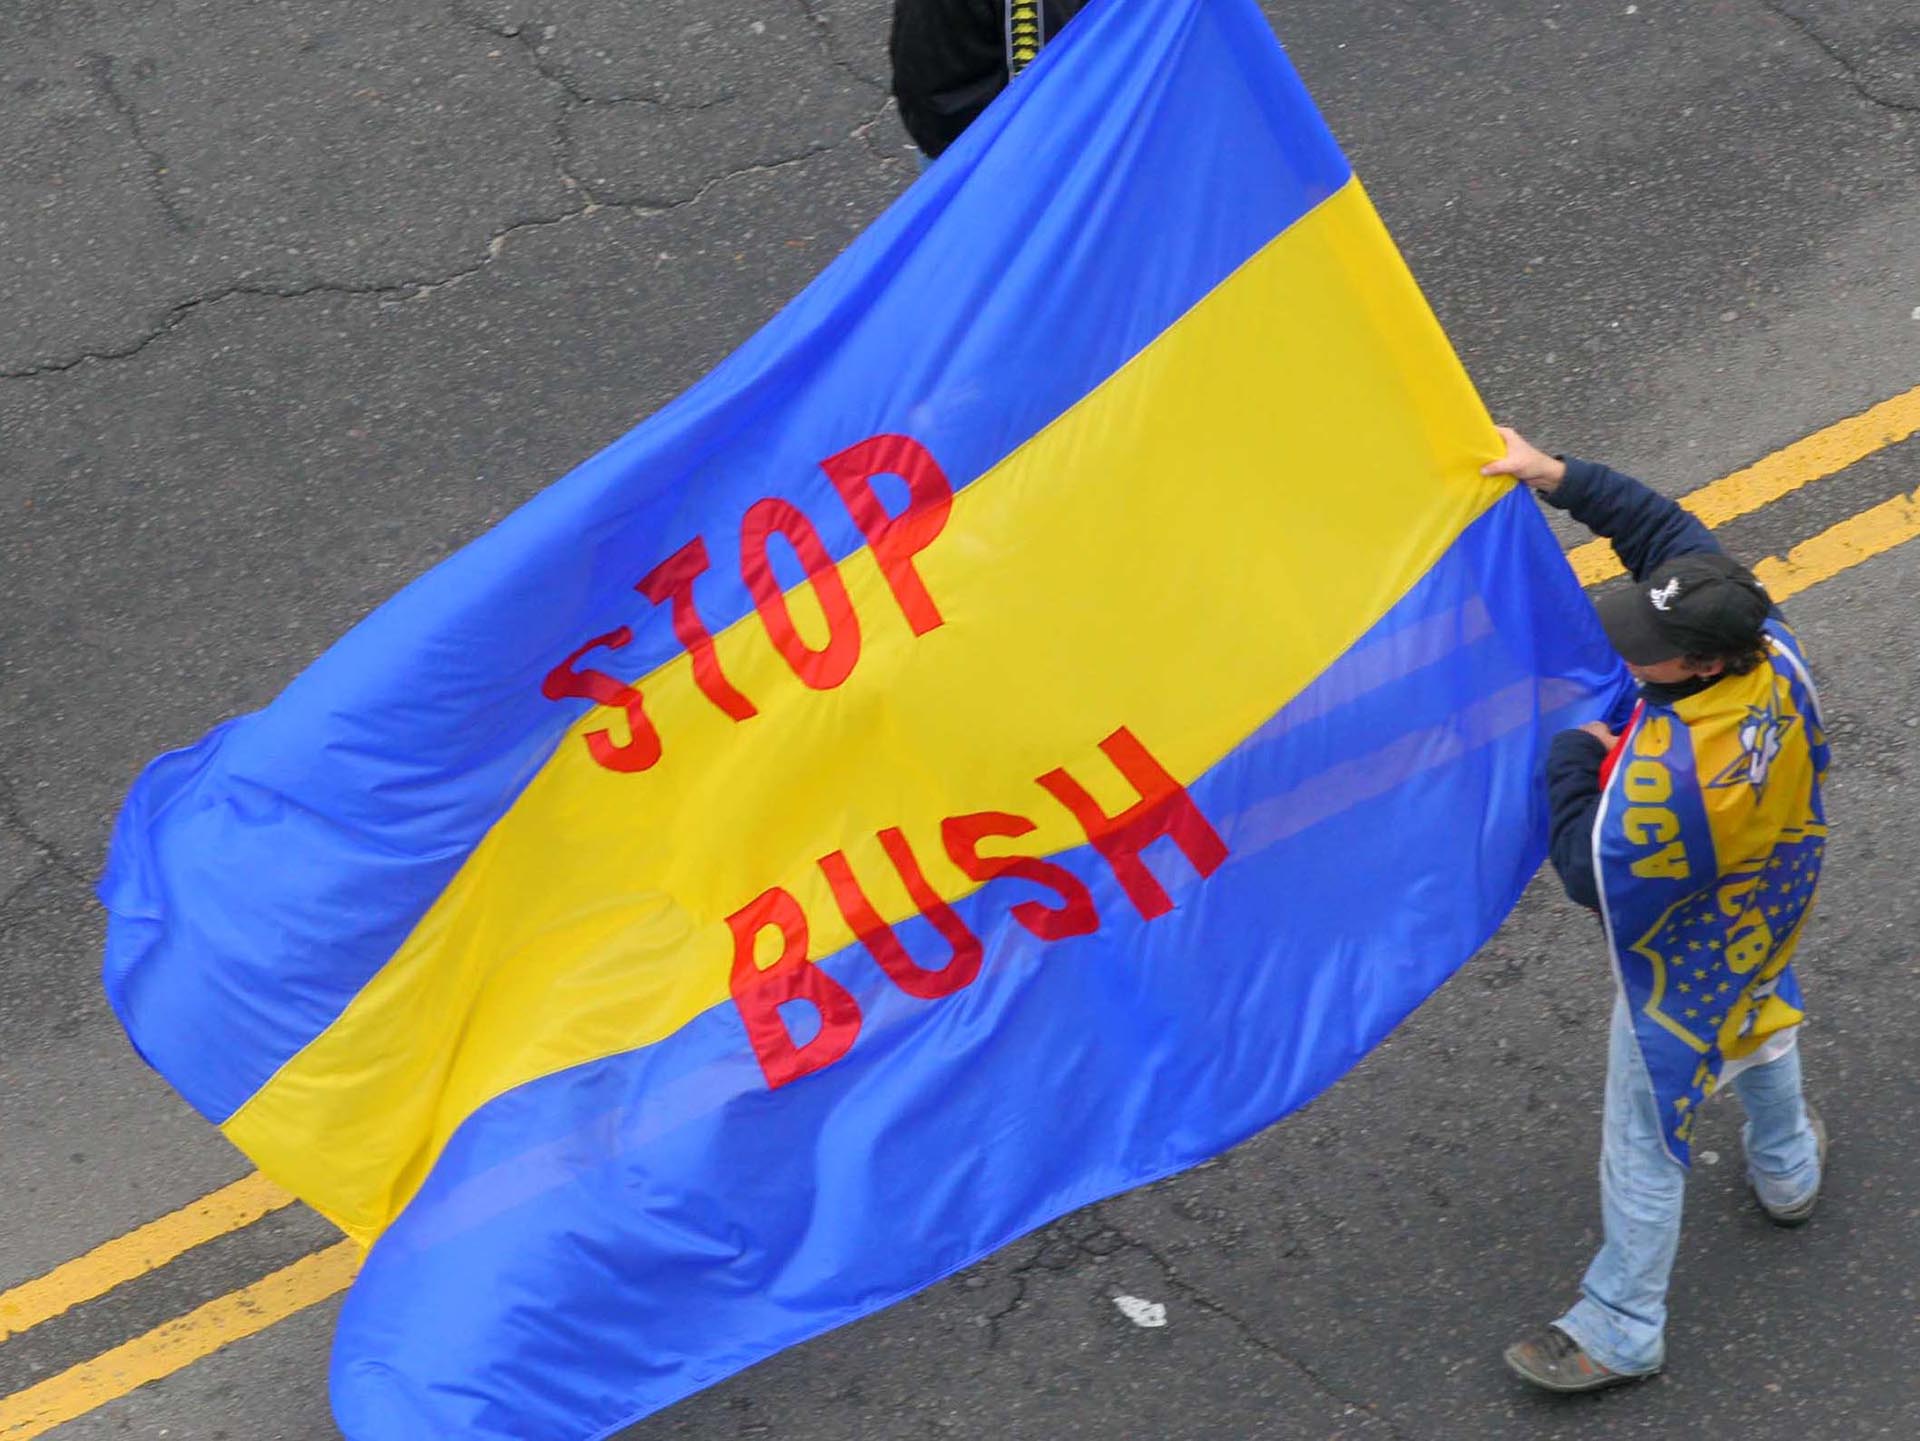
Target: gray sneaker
1801,1212
1554,1361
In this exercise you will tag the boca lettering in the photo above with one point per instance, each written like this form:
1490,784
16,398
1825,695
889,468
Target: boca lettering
1750,943
1648,782
1669,863
1649,821
1650,825
1655,736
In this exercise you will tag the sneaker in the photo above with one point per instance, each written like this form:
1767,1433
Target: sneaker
1801,1212
1554,1361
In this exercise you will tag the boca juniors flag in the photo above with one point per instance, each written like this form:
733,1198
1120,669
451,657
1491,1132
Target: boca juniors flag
1041,710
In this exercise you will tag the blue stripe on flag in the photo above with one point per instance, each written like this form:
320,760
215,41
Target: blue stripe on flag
621,1234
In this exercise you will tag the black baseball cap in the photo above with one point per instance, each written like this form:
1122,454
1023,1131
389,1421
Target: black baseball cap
1702,604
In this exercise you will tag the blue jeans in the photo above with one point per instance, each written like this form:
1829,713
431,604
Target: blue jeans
1622,1312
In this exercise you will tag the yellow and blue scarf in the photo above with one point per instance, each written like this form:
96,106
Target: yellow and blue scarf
1707,852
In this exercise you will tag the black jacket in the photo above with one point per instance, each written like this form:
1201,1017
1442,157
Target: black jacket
1647,530
950,59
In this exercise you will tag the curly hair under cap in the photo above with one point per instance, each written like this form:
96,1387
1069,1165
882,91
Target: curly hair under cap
1738,662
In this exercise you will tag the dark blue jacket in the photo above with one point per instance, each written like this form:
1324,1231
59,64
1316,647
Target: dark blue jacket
1647,530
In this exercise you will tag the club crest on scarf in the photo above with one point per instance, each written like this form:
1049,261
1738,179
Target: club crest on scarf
1708,851
1761,735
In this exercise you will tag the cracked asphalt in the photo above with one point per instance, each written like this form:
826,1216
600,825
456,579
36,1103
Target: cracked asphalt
297,298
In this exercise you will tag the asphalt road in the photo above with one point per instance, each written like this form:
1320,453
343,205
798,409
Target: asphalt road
297,298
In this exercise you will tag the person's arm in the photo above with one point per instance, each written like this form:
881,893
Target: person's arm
1646,528
1573,803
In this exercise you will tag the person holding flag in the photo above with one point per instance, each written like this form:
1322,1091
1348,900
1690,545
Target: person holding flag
1696,833
951,57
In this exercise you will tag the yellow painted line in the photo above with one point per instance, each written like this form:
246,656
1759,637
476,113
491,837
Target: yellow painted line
1844,545
177,1344
139,1251
1824,453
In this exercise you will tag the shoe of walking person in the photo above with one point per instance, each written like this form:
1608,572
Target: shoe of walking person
1554,1361
1798,1213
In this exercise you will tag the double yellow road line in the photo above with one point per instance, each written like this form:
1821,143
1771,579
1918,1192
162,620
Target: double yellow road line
180,1342
1824,453
307,1282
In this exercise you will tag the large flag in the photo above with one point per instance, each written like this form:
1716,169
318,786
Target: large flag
1041,710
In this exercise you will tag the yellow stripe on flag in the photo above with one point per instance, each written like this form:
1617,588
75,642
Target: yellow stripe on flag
1180,553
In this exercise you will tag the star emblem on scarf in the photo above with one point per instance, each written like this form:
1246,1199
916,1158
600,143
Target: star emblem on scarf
1761,732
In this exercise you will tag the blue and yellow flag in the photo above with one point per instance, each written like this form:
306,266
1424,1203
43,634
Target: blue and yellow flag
1707,853
1041,710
